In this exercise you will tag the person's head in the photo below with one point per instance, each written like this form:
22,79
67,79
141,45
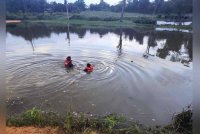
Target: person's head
88,64
69,58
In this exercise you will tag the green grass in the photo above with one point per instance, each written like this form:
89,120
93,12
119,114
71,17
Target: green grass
108,124
35,117
84,14
90,24
189,27
107,14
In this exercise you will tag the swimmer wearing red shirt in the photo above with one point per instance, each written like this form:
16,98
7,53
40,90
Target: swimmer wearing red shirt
68,62
89,68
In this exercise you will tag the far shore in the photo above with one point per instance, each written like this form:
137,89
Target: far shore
100,19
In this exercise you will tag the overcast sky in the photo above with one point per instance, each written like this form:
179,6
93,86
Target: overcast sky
88,2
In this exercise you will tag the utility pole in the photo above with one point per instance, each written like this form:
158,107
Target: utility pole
24,9
66,5
122,12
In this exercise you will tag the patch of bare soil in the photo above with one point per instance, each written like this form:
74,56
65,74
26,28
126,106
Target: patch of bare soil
31,130
36,130
13,21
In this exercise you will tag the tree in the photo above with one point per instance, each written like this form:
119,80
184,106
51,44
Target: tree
14,5
80,4
102,6
158,6
143,6
94,7
179,7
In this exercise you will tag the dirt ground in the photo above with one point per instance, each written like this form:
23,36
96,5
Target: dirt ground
35,130
13,21
31,130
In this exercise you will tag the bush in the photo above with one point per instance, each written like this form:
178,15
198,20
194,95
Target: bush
35,117
94,19
76,17
11,16
111,19
182,122
145,21
159,16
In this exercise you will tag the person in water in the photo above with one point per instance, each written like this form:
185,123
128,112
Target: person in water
68,62
89,68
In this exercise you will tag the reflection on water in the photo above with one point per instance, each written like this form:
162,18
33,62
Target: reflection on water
120,43
171,41
172,29
123,80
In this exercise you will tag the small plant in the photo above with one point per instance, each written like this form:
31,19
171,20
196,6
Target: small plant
182,122
80,121
111,121
33,116
69,121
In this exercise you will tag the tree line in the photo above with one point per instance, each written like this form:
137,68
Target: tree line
136,6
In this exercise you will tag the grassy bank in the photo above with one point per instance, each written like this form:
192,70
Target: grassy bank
84,15
113,123
92,24
91,19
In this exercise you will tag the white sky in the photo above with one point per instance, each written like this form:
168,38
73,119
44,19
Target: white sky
88,2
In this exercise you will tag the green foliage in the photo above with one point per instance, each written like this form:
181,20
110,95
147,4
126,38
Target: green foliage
30,117
80,4
14,16
111,121
145,21
35,117
94,19
69,121
34,114
137,6
109,124
76,17
102,6
182,122
111,19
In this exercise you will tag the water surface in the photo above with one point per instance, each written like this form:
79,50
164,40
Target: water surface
143,74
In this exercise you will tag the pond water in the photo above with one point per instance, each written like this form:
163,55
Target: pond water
143,74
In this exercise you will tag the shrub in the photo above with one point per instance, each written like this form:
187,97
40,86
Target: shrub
110,19
182,122
94,19
145,21
78,17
